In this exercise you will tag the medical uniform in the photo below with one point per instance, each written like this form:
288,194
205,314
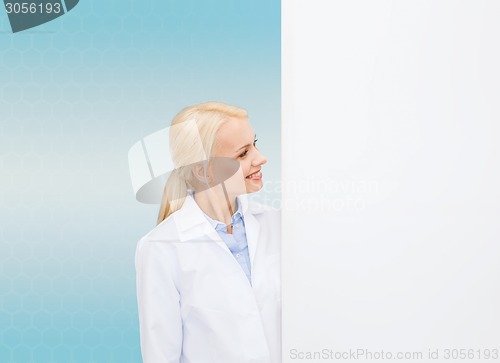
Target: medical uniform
196,302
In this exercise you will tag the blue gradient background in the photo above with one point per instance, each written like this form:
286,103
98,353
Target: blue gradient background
75,95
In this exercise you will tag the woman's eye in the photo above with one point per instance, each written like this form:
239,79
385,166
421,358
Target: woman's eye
244,153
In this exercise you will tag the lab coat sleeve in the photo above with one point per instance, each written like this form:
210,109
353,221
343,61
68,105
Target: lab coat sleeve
158,303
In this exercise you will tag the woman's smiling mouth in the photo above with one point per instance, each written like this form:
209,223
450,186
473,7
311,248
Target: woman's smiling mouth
256,175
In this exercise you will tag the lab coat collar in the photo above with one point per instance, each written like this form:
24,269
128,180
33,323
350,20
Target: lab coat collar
191,216
194,227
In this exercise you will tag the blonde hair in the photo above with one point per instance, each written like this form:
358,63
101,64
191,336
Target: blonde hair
184,149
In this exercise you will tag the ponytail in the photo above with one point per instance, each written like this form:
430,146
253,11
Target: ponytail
174,194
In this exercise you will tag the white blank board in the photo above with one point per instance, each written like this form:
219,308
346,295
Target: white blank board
391,179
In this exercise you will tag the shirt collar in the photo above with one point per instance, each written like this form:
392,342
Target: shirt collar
235,218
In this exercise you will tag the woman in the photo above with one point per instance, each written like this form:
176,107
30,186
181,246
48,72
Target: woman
208,275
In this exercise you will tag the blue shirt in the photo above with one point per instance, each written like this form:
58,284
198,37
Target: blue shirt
237,241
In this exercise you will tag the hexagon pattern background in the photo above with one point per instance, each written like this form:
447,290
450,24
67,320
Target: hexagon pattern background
75,94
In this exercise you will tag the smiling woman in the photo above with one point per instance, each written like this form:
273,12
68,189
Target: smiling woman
208,275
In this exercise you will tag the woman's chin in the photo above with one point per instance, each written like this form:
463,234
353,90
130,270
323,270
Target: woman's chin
253,186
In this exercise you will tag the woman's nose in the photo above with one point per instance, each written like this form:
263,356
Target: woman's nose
259,159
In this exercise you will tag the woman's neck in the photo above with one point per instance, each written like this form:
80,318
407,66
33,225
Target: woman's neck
214,203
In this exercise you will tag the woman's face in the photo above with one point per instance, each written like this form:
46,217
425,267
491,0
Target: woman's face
236,139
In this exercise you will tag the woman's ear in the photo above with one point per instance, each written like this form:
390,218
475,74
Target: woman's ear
201,173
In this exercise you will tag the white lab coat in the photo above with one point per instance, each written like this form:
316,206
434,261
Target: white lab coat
195,302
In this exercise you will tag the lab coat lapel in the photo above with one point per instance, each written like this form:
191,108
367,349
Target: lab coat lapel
194,227
252,228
